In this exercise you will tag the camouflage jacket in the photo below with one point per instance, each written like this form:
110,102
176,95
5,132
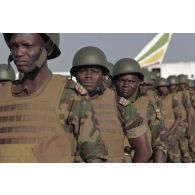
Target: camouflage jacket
153,120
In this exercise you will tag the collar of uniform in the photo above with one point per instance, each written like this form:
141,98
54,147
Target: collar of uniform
18,88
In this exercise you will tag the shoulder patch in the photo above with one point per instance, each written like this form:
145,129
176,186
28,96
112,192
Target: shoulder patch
123,101
80,89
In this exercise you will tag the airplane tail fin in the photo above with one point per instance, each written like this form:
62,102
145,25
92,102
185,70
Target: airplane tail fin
155,50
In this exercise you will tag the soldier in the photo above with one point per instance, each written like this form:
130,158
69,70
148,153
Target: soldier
42,114
147,87
191,84
173,84
172,118
116,115
154,77
185,130
7,73
127,76
192,99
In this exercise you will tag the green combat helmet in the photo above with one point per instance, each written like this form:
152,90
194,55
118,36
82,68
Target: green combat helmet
191,83
173,80
89,56
160,82
153,76
7,73
127,66
183,79
51,43
110,68
147,77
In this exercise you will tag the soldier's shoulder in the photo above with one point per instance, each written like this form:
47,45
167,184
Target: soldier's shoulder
75,88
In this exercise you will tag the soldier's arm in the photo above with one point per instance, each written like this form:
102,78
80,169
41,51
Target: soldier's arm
136,133
177,114
90,145
159,156
155,122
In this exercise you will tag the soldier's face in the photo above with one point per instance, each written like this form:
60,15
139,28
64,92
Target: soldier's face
90,77
182,86
163,90
127,85
25,49
144,88
173,88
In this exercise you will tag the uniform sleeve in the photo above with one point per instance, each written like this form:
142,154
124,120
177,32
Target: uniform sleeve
86,129
132,122
160,142
156,125
175,106
186,100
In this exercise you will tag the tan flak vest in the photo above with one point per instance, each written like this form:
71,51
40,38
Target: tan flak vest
141,104
151,96
167,104
111,131
30,129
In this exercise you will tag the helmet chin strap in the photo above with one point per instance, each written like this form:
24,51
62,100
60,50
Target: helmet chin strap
9,60
43,56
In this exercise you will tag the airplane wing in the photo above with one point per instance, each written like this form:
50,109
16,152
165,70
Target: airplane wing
155,50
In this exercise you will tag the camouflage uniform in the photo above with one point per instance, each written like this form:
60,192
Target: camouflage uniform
112,133
116,116
152,119
184,103
191,84
185,130
170,109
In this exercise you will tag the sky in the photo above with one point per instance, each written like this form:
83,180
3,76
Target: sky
115,46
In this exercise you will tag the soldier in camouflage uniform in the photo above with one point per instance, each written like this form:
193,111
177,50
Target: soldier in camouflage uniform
191,84
116,115
127,76
147,87
172,118
7,74
185,128
42,115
